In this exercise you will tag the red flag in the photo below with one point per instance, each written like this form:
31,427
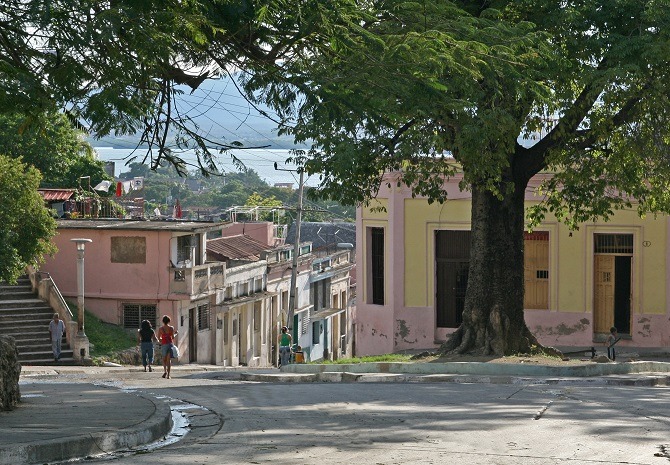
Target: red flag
119,189
177,208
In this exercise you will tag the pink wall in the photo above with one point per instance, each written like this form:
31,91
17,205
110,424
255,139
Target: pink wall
262,231
106,280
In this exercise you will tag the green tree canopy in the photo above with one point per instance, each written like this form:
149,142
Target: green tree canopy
27,226
427,89
51,144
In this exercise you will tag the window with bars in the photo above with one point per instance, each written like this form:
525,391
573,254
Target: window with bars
133,314
183,248
203,317
613,243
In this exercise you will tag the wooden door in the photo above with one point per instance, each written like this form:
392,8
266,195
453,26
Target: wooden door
603,306
536,274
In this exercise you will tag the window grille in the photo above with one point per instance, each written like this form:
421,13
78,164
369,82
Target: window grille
203,317
305,322
133,314
613,243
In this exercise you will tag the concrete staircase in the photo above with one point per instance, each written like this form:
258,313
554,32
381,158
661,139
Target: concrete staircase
26,318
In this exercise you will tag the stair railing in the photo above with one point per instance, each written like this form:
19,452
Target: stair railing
46,289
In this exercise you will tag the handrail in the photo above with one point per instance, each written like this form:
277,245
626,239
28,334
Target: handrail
54,289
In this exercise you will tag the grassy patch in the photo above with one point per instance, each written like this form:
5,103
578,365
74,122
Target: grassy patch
106,339
369,359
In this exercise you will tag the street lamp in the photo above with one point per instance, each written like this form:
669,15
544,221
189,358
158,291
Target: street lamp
81,244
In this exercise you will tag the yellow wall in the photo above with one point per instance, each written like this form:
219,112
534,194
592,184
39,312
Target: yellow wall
421,222
571,283
367,213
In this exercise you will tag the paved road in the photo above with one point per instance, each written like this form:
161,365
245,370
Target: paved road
386,423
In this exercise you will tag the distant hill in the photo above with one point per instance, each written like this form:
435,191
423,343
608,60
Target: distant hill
220,112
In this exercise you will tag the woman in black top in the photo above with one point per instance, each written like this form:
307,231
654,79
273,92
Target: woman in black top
145,338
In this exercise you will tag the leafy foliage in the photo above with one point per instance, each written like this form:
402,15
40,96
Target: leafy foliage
50,143
26,226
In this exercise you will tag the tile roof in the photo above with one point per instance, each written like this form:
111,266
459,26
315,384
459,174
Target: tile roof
53,195
236,247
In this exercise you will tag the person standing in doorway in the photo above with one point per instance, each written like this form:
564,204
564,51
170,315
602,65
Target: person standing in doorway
284,346
57,330
166,335
145,338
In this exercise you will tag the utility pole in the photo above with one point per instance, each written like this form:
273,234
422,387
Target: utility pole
292,297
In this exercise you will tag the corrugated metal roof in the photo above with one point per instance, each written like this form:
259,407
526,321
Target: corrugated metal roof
236,247
53,195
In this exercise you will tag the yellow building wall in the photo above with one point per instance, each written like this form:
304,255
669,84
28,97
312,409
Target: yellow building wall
377,210
421,222
571,282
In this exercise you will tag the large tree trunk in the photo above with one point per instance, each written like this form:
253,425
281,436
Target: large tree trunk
493,321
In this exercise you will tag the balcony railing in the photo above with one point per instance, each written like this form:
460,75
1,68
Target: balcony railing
197,281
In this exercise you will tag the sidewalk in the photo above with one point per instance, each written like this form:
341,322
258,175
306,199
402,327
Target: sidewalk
56,422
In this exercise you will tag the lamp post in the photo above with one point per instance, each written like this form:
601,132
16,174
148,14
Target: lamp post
81,244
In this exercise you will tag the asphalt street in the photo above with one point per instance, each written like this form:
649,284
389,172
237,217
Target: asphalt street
404,423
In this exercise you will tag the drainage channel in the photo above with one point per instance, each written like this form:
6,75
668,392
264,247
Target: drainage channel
181,425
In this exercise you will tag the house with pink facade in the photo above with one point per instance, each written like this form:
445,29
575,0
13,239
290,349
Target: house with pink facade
413,260
136,270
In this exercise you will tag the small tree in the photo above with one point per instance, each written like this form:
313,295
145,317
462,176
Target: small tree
26,225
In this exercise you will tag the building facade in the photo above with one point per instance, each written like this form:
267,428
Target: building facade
136,270
414,262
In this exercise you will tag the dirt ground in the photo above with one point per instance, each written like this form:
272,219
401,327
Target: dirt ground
570,359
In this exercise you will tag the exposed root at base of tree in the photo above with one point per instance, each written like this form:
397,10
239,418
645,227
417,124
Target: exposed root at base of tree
471,342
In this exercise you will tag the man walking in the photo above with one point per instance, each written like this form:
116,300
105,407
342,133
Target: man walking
57,330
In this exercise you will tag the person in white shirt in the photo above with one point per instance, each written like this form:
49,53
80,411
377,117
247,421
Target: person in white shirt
57,330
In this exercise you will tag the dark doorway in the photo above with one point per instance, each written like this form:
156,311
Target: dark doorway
192,336
452,257
622,291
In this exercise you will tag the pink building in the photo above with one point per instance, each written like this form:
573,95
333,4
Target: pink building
136,270
413,259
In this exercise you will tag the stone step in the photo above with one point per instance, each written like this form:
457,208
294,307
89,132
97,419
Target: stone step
4,290
21,303
36,342
23,312
50,361
42,355
17,295
29,333
31,325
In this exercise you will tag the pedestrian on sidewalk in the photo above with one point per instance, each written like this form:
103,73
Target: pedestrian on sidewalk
57,330
284,346
145,339
166,335
611,340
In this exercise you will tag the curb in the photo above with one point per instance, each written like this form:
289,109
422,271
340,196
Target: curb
486,369
155,427
649,380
